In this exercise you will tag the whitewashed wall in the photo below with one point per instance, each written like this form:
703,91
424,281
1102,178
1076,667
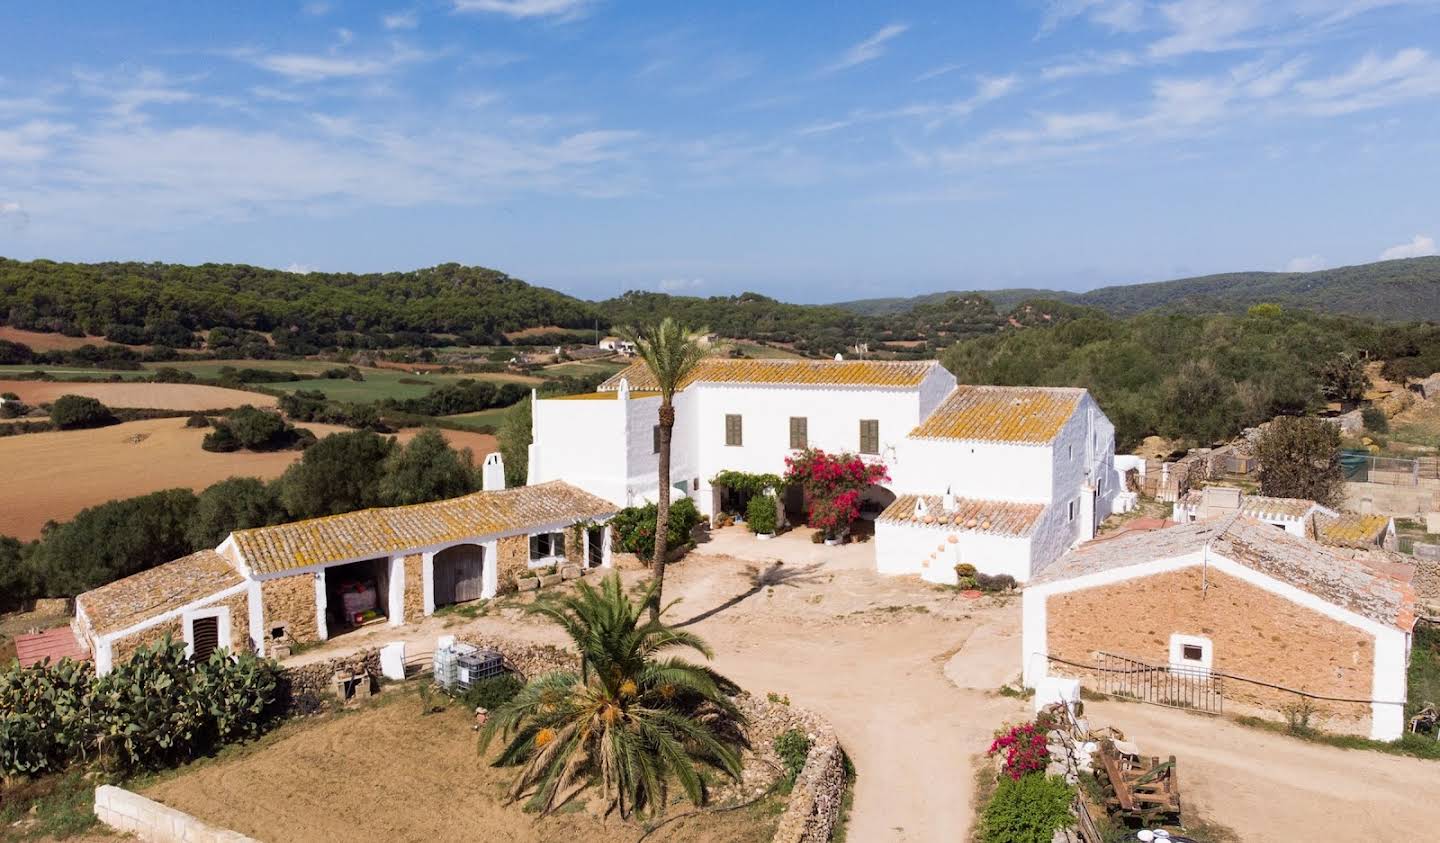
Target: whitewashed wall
575,441
906,548
986,470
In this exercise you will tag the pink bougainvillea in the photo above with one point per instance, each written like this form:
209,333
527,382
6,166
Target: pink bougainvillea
1025,749
833,483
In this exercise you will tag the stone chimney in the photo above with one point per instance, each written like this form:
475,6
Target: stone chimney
1216,501
492,472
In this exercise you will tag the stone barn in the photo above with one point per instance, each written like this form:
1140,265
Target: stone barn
306,581
1267,613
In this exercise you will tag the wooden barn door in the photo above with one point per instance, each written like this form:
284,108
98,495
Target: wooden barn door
459,574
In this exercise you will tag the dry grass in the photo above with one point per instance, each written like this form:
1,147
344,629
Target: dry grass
158,396
49,342
55,475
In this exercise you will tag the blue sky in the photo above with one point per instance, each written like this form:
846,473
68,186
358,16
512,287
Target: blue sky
811,151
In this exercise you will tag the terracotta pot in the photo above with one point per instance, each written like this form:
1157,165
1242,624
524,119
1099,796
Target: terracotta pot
972,594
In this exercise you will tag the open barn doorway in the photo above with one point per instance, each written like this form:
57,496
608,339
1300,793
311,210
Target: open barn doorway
357,595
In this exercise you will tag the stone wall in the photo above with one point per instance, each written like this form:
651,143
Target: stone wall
239,606
814,806
514,558
309,688
291,601
414,588
529,660
1255,634
148,820
123,648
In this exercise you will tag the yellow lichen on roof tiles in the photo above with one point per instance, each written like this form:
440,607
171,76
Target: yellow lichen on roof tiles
374,533
1355,529
603,396
164,588
837,373
1006,518
1031,415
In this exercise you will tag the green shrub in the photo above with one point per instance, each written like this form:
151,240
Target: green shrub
760,514
197,420
1027,810
635,526
793,747
70,412
492,693
1375,420
157,709
221,440
259,430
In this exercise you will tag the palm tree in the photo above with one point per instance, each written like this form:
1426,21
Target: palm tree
628,718
671,352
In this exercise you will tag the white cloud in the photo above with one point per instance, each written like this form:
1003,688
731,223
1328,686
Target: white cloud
315,67
1116,15
939,71
676,285
525,8
401,20
870,49
317,8
1092,64
13,214
1307,263
28,142
301,268
1373,82
1419,246
987,90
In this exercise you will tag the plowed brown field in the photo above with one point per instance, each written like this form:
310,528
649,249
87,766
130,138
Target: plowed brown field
55,475
157,396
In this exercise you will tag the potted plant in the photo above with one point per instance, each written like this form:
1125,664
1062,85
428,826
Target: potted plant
760,516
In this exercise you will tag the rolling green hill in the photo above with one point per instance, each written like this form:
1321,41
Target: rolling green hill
1399,289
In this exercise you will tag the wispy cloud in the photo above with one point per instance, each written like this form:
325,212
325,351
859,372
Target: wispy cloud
942,70
1306,263
1092,64
932,114
1374,82
408,19
680,285
29,142
870,49
526,8
1419,246
13,215
314,67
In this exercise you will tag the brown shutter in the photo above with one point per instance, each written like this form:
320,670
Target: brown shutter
799,432
732,430
205,636
869,436
655,439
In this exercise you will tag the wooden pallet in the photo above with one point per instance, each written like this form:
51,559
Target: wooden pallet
1140,789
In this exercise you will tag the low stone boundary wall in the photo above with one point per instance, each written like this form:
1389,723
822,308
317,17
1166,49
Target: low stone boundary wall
309,688
149,820
529,660
814,806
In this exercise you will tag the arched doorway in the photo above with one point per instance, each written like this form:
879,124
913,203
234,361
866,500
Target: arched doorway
459,574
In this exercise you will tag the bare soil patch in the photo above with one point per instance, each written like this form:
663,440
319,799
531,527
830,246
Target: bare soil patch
40,341
52,476
387,773
157,396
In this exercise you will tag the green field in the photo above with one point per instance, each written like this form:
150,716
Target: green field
765,352
581,368
483,419
378,383
70,373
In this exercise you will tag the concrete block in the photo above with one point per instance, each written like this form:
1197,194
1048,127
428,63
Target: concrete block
392,660
1057,689
527,583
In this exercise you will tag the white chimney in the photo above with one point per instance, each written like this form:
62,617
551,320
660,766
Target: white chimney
838,358
948,501
492,472
624,389
921,508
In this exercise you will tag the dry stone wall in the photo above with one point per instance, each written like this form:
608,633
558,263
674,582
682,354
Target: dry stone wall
309,688
123,648
513,554
414,588
814,807
291,601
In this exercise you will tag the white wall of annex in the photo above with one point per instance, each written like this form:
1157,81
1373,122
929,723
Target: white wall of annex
986,470
926,550
575,441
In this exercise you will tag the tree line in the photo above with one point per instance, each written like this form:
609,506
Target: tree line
340,473
1200,378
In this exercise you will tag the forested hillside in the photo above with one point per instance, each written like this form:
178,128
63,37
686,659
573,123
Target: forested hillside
136,299
1398,289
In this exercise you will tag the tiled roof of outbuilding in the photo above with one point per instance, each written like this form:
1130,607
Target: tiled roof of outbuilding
373,533
164,588
1351,529
1340,577
839,373
1262,506
1004,518
1023,414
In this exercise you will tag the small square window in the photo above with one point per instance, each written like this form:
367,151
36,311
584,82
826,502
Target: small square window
1192,653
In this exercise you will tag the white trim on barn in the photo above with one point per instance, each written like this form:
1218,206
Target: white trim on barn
222,616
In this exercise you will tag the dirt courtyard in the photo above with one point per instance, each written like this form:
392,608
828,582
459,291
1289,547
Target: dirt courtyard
909,674
56,474
386,773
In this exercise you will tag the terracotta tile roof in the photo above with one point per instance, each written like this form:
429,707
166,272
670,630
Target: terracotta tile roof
905,374
373,533
1344,578
51,646
1002,518
1350,529
1261,506
1023,414
602,396
161,589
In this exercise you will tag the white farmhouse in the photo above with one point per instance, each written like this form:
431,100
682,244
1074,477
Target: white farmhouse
1003,478
618,345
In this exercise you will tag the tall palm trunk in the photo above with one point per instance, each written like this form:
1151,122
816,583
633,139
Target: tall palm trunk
662,505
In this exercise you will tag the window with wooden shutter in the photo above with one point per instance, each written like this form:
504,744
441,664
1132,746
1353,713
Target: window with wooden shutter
204,636
732,430
869,436
655,439
799,432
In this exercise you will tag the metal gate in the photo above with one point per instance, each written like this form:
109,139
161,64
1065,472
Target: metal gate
1177,687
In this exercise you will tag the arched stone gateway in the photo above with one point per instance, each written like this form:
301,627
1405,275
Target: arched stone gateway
873,501
460,574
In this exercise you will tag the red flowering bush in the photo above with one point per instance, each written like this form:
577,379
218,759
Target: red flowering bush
833,483
1025,750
